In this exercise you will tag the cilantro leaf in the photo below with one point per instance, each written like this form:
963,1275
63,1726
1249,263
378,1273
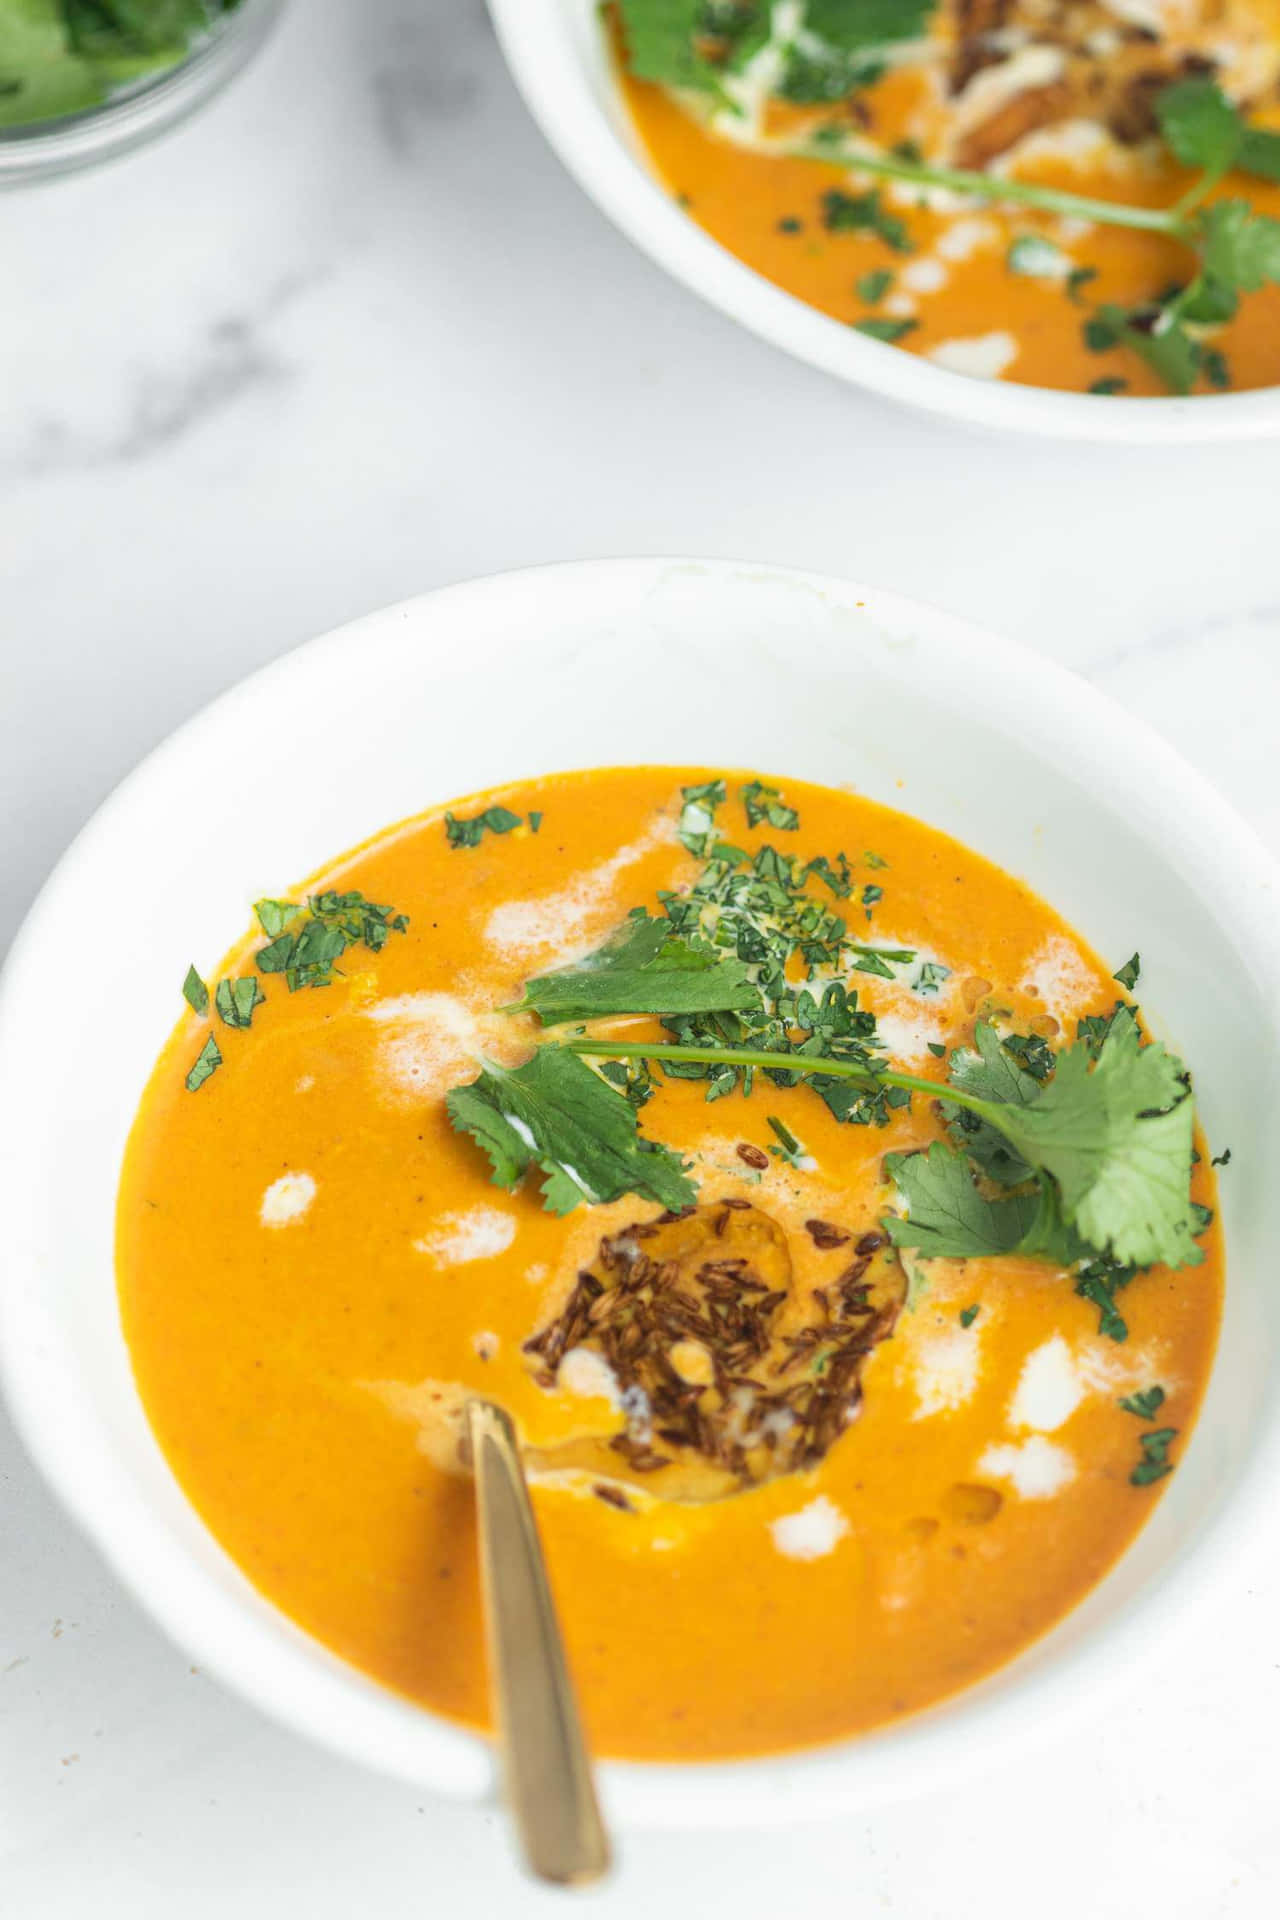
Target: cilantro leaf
1116,1136
947,1217
993,1073
644,968
855,25
1240,248
1259,153
469,833
1199,125
660,41
555,1114
195,992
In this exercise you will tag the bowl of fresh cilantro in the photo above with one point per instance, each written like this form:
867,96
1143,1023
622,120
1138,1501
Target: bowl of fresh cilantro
81,80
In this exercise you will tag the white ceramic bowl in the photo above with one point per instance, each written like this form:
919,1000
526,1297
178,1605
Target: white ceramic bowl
639,660
557,54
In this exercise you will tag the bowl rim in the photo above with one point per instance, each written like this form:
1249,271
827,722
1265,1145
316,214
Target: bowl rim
547,51
304,1687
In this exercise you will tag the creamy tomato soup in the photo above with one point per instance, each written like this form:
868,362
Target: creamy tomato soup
764,123
833,1397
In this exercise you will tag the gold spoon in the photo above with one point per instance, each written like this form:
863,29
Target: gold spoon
546,1767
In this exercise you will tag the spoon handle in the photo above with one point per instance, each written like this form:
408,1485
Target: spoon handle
545,1761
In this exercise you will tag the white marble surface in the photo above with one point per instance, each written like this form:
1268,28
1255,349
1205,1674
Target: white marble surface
350,334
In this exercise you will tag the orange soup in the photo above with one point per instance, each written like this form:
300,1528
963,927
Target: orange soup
772,126
835,1391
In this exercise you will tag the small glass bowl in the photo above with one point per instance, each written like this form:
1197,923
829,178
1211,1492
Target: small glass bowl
133,115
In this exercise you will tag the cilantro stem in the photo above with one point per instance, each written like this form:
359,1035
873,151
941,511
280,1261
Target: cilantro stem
1025,193
787,1062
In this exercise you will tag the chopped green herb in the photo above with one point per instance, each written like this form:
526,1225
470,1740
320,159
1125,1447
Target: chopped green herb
968,1315
1109,383
1099,1281
790,224
236,1000
937,1049
697,816
1222,1159
208,1060
195,992
1032,1053
765,804
315,938
870,895
864,213
469,833
788,1146
275,915
631,1077
873,860
887,330
1146,1405
1155,1461
1127,975
872,287
1078,279
931,976
535,821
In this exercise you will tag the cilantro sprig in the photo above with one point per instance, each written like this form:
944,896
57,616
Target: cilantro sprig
1106,1144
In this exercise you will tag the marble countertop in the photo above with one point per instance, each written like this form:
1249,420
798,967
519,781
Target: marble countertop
353,333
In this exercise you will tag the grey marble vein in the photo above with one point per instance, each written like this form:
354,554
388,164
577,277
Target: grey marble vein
232,358
429,74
